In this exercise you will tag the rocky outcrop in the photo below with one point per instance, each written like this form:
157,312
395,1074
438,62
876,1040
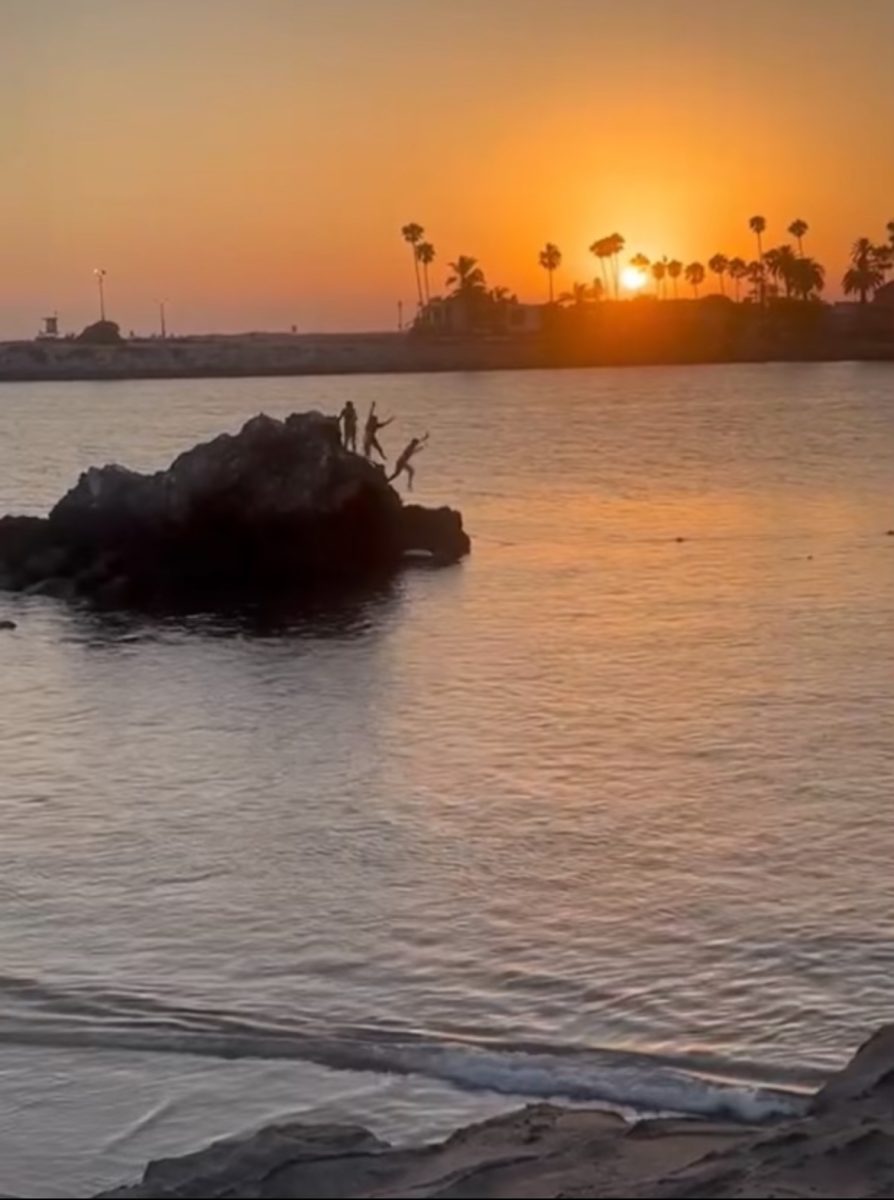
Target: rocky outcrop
842,1145
279,506
101,333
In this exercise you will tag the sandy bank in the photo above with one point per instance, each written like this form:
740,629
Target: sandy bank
841,1145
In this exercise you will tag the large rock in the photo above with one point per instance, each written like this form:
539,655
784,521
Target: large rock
278,506
869,1076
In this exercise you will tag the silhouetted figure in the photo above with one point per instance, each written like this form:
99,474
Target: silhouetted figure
348,418
403,463
373,425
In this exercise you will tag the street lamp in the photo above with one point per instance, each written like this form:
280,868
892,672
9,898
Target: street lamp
100,274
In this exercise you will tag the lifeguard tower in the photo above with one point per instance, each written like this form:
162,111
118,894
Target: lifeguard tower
50,329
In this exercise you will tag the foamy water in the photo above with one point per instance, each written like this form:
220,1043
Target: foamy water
600,814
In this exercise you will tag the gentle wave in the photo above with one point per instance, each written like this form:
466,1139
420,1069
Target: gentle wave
83,1019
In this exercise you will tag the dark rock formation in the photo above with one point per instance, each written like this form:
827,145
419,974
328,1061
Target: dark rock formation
280,506
842,1144
868,1077
101,333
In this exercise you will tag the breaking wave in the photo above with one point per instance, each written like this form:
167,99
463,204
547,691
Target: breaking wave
33,1014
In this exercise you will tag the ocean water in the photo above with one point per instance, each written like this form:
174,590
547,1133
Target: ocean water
602,814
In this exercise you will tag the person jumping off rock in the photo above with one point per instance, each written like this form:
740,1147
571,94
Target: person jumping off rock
373,425
403,463
348,419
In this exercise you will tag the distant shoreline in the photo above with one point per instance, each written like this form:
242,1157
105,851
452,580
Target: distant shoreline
371,354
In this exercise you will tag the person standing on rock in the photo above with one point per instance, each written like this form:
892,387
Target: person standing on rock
403,463
348,419
373,425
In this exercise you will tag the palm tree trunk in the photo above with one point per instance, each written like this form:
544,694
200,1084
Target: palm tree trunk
760,258
800,248
722,287
550,273
427,288
418,277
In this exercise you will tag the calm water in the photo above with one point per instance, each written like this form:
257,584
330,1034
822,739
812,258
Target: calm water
594,813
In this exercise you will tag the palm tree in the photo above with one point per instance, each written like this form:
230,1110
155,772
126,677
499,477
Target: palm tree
602,248
807,276
617,243
737,269
869,264
674,271
890,229
640,262
467,277
550,258
578,296
719,264
695,274
425,253
469,290
756,276
597,289
659,270
797,229
779,261
757,225
412,233
500,303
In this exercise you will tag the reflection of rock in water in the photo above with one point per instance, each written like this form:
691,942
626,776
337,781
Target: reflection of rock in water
344,610
279,509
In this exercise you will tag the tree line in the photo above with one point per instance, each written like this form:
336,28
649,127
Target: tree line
782,271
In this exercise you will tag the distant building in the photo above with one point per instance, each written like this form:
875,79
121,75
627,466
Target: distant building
454,316
525,318
884,297
50,330
876,318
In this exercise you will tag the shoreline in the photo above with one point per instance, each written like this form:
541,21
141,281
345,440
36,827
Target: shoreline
842,1143
68,361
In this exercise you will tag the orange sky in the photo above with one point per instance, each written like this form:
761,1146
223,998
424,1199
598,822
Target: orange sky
252,161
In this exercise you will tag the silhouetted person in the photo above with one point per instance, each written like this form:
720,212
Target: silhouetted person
403,463
348,418
373,425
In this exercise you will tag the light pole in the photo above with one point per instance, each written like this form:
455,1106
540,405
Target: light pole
161,316
100,274
400,315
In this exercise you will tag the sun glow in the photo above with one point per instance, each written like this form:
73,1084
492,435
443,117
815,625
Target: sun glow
633,279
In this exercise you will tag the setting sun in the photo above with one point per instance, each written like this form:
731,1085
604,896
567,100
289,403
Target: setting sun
633,279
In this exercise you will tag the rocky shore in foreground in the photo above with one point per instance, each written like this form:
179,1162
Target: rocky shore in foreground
841,1145
276,510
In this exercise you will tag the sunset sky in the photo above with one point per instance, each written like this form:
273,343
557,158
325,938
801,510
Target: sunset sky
252,161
